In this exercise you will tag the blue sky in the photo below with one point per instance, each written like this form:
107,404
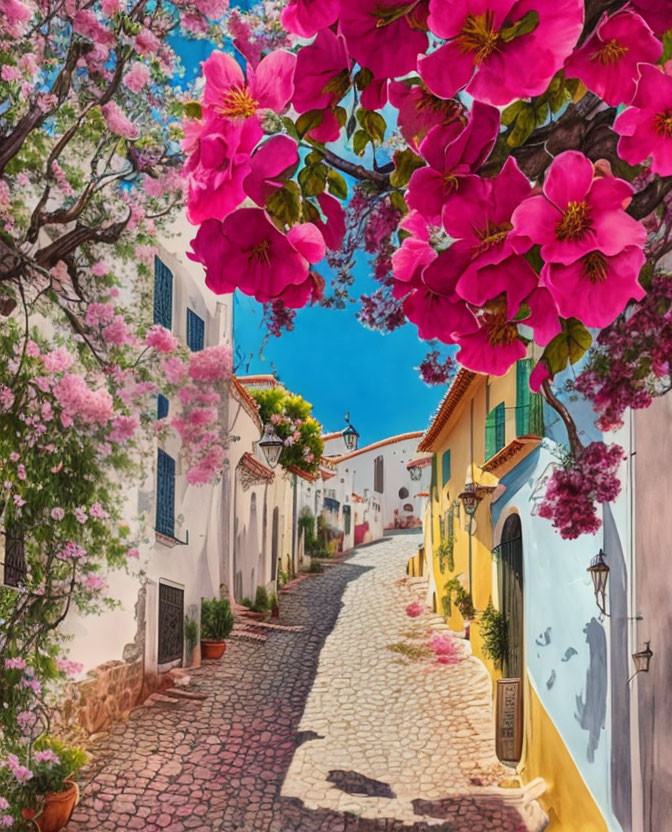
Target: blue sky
330,358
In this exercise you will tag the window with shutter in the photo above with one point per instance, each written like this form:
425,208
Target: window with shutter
195,331
445,468
165,494
163,294
162,406
495,430
529,405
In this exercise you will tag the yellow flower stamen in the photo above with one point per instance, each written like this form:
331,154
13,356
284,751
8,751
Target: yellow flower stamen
238,103
261,252
594,267
574,223
609,53
478,36
663,123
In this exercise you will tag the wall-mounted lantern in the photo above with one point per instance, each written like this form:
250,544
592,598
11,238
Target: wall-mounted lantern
271,445
416,473
599,572
350,435
471,498
642,660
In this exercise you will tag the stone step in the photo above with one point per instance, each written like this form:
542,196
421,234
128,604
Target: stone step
188,695
160,699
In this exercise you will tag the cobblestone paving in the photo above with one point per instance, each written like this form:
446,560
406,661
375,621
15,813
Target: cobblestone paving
323,730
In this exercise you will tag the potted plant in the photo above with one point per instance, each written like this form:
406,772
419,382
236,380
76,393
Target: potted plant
50,791
216,626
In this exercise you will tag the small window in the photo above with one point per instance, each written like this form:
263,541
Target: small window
445,468
495,431
165,494
346,519
162,406
403,493
378,474
408,506
195,331
163,294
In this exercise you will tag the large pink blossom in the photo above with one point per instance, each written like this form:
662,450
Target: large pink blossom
596,288
577,213
15,17
333,225
161,339
78,401
269,86
306,17
211,364
146,42
270,166
420,110
485,54
87,24
322,73
414,253
247,252
218,163
384,35
452,152
118,122
646,127
607,61
137,77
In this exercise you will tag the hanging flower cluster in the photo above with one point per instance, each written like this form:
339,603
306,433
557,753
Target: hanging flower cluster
575,489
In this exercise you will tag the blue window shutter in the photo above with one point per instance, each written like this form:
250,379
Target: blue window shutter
162,406
165,494
445,468
163,294
195,331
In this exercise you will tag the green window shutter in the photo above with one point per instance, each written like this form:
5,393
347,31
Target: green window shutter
500,427
523,394
445,468
490,435
435,476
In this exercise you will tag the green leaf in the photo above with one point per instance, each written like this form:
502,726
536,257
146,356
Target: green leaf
290,127
405,162
341,115
570,345
359,141
373,123
314,157
667,47
338,85
524,125
310,212
511,113
284,206
193,109
398,201
363,78
313,179
337,184
528,23
309,120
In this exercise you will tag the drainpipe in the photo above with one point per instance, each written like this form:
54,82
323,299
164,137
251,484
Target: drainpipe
471,455
294,520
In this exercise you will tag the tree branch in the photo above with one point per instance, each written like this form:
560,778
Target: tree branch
355,170
575,444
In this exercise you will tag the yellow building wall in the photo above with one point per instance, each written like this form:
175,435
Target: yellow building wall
567,800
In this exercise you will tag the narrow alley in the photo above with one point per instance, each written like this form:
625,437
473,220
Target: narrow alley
348,724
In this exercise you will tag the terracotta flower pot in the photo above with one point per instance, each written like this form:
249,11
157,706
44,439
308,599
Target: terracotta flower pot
212,649
57,809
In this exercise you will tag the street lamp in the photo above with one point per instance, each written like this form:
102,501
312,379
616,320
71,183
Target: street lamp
470,498
642,659
416,472
271,445
599,572
350,435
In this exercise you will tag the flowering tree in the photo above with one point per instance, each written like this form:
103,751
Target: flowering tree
290,415
503,206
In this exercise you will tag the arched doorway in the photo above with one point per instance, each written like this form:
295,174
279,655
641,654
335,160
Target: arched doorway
510,715
511,594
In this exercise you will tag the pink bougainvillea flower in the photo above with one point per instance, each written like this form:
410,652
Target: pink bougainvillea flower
577,213
269,86
137,77
646,127
415,252
385,36
492,45
514,277
374,95
414,610
270,166
495,346
607,61
420,110
118,122
596,288
218,164
333,226
479,215
657,13
452,152
322,73
306,17
434,307
297,296
247,252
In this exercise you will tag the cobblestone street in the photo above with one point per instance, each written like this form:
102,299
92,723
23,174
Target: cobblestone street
349,725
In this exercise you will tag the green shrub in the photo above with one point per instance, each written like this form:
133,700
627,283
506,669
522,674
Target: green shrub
494,629
315,566
461,598
261,600
216,619
247,602
190,633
